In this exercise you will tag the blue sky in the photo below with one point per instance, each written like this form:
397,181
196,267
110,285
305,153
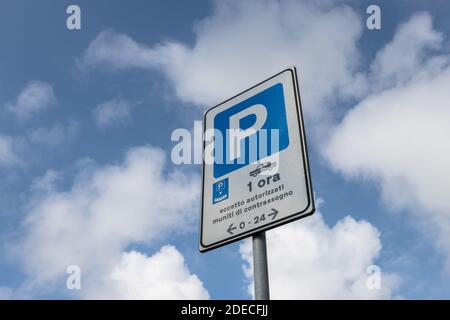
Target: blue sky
92,188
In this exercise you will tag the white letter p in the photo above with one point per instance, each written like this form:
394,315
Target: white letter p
237,135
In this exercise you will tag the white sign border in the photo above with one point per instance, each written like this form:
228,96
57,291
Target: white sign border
310,208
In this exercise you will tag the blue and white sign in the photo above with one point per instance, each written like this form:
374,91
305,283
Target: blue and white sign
220,190
255,172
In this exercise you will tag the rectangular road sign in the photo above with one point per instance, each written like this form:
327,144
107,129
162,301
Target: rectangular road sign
255,166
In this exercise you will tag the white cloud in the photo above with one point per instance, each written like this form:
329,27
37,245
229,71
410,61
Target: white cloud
47,182
15,150
319,262
161,276
404,56
54,135
6,293
104,211
118,51
8,155
35,97
243,42
399,137
112,113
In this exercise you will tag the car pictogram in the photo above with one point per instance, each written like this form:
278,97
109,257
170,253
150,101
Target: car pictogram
262,167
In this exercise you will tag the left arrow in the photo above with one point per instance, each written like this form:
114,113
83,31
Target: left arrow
231,228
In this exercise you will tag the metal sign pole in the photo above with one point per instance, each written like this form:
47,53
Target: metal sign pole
260,270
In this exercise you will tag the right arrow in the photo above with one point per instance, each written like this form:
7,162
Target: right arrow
231,228
273,214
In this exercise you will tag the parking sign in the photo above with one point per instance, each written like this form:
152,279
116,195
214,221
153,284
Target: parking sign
255,170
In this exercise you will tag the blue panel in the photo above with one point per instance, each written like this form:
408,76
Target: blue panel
273,101
220,190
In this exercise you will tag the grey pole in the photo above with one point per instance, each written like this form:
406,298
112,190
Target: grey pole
260,269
